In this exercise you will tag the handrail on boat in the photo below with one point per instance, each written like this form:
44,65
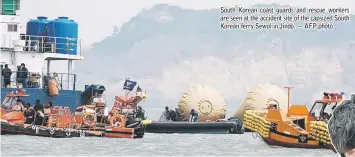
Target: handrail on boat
6,7
42,80
44,44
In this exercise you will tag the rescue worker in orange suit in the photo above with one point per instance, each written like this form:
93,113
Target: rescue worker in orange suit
29,113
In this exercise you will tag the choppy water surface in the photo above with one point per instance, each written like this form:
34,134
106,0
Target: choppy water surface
151,145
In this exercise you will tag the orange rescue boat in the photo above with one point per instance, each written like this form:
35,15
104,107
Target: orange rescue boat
122,121
300,128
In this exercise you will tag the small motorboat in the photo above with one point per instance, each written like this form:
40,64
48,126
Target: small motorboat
193,127
126,119
118,126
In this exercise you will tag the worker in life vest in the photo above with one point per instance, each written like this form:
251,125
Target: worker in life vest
140,113
48,108
166,114
172,115
178,114
39,112
18,106
193,116
47,112
29,113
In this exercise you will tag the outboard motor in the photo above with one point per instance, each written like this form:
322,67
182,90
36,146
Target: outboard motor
133,122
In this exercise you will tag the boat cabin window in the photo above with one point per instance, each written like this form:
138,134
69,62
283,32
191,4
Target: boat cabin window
300,123
12,27
8,102
329,108
316,109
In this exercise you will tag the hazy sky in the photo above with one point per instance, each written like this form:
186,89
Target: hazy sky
97,18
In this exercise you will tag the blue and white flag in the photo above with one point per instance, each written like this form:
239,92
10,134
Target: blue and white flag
129,85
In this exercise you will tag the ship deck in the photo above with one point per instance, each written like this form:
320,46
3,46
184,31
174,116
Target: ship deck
69,98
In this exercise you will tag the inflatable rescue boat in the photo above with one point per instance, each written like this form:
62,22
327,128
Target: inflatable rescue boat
210,107
226,127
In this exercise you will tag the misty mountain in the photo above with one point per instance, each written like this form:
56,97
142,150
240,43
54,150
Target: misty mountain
168,48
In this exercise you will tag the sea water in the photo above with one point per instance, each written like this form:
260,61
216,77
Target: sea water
150,145
247,144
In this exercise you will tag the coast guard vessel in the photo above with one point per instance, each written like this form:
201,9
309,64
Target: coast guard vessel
45,41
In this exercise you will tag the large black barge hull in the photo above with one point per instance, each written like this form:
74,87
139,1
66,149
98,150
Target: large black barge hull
195,127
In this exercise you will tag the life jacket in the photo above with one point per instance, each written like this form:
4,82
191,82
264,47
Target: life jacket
47,111
32,116
40,113
17,108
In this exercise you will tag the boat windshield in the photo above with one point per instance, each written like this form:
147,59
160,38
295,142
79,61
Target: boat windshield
316,109
322,110
329,108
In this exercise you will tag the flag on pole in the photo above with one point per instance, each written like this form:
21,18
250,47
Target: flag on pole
129,85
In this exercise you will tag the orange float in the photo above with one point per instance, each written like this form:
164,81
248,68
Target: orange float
53,87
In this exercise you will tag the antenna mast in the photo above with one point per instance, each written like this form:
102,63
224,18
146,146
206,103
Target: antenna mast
288,97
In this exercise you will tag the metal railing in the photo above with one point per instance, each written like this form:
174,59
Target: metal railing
9,8
45,44
40,80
